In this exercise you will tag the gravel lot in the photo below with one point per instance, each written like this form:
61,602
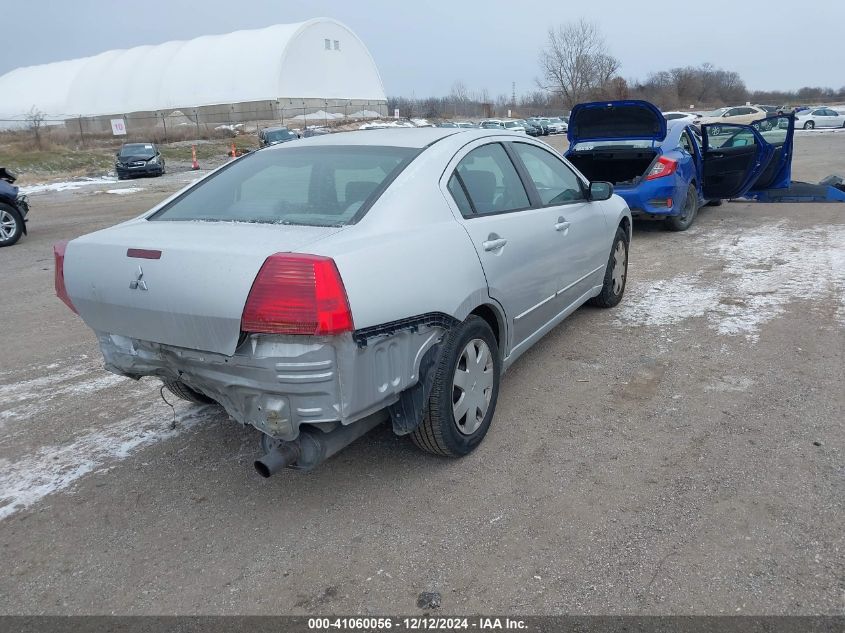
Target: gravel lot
682,453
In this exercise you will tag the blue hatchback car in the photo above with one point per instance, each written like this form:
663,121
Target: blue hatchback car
668,170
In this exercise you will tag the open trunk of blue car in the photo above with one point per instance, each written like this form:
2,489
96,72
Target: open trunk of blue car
623,166
615,141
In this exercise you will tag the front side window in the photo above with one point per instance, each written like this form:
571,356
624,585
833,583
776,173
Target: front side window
555,181
491,180
313,186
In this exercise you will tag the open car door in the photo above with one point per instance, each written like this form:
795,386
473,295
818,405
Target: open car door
734,157
777,131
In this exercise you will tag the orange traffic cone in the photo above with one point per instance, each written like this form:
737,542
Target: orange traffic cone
194,164
234,153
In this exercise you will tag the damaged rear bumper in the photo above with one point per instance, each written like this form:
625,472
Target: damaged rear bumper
277,383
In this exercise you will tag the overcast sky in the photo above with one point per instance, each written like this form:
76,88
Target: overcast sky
421,48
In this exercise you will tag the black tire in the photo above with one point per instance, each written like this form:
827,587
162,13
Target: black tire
809,125
186,393
12,225
610,295
685,219
439,433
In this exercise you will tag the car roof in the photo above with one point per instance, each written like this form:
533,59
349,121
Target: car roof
392,137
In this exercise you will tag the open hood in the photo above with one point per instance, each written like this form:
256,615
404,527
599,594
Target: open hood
616,121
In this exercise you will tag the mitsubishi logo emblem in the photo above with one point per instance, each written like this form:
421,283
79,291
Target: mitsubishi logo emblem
138,283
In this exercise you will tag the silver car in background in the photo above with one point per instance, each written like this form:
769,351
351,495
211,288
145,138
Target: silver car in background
320,287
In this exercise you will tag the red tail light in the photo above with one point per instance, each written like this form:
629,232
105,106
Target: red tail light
297,294
663,167
59,258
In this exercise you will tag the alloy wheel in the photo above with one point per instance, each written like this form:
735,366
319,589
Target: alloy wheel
8,225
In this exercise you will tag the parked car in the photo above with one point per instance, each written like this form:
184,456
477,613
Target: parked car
14,208
819,117
139,159
514,126
557,125
446,124
492,124
465,124
530,128
275,135
316,289
687,117
741,115
542,124
663,170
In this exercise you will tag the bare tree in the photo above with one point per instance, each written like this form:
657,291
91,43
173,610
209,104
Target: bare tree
575,61
34,120
459,96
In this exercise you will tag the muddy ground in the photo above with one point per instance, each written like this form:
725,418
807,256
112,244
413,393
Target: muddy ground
681,453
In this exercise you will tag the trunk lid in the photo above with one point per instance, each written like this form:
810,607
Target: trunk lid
616,121
192,295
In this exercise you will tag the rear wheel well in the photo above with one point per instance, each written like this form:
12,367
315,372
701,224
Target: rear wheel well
626,226
490,315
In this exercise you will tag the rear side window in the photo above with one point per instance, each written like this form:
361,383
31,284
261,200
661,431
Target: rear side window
491,181
314,186
460,196
555,181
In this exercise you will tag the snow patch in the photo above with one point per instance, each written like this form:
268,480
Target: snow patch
766,269
53,468
68,185
125,191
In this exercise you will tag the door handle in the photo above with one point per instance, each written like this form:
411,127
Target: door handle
494,245
562,224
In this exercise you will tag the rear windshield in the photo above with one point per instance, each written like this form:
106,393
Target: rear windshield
313,186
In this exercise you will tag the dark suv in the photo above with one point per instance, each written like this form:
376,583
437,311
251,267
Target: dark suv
275,135
139,159
13,209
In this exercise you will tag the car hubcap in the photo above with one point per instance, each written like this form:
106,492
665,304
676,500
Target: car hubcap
618,274
8,226
472,386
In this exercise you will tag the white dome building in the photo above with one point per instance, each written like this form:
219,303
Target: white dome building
267,73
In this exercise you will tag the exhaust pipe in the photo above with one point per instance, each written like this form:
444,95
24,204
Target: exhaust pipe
280,457
313,447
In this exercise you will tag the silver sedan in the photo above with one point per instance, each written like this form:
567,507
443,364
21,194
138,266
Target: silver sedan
318,288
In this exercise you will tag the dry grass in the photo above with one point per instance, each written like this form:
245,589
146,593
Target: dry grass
62,156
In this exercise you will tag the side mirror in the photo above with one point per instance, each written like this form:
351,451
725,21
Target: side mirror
600,191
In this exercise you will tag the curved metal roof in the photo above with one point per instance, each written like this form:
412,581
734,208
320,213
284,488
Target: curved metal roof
287,61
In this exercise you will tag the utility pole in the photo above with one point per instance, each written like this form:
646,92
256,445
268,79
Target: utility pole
513,94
